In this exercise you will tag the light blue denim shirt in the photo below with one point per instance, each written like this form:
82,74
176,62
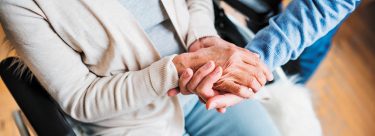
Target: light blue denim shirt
299,26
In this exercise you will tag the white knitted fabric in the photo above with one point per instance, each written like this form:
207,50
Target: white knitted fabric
291,108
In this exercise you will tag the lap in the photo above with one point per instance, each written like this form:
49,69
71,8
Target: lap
248,118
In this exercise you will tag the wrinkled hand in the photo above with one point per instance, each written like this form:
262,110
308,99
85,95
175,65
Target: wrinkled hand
211,75
243,74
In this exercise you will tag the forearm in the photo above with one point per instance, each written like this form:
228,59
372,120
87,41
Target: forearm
299,26
82,93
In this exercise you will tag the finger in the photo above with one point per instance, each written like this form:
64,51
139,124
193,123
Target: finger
199,75
254,72
251,58
221,110
266,71
254,84
231,87
173,92
204,89
223,101
183,81
261,77
201,100
204,101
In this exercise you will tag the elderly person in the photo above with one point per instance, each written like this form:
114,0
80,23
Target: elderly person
109,64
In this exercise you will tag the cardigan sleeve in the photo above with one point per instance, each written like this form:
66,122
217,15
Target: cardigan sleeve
201,21
80,93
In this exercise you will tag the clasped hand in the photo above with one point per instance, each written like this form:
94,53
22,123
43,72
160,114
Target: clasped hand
220,73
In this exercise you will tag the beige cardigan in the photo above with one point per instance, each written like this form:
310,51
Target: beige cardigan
98,64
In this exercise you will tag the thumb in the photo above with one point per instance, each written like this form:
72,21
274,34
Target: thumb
173,92
223,101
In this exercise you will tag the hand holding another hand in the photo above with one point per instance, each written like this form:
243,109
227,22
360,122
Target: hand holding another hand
230,73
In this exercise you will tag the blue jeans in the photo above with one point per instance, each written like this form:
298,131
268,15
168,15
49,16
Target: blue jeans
248,118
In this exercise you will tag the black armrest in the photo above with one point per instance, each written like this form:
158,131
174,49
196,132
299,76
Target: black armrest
42,112
258,19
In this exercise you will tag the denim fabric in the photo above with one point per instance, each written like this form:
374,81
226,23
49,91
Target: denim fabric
299,26
248,118
309,60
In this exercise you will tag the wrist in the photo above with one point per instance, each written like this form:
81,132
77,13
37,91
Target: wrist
199,43
188,60
180,63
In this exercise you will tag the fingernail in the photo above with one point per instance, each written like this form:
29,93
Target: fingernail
223,111
218,70
213,105
172,93
209,93
185,74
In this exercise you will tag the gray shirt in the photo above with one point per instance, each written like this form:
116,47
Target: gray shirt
155,21
153,18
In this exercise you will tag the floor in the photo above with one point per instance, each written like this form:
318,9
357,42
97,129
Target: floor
7,104
343,87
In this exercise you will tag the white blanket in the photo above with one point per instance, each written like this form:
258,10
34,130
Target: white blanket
291,108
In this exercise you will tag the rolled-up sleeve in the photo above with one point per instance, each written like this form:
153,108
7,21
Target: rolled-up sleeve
299,26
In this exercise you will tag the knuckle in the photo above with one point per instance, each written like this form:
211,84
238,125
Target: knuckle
256,87
254,74
252,81
198,73
259,74
237,89
190,87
